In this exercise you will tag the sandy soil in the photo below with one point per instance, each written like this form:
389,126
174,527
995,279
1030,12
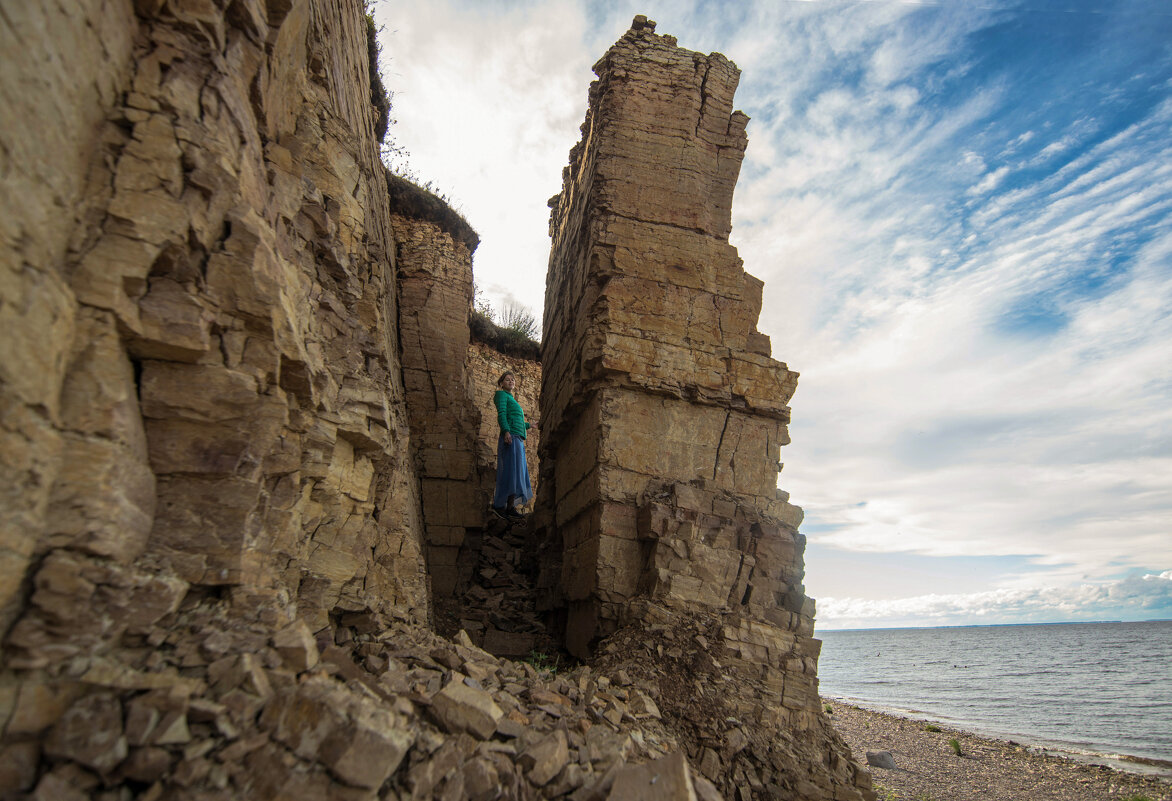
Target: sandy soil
927,769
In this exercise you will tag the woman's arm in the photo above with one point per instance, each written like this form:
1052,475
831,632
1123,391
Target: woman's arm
502,414
502,409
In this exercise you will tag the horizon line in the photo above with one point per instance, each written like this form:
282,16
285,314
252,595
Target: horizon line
997,625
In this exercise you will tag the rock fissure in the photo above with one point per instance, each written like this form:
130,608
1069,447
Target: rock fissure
719,444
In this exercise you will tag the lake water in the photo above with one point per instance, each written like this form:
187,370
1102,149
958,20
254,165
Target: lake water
1084,688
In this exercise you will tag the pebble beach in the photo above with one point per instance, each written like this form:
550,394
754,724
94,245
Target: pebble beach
927,767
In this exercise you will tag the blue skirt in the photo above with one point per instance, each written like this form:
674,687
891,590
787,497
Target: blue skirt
512,473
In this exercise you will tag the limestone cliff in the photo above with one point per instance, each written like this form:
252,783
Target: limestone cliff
247,450
654,372
434,262
664,416
220,394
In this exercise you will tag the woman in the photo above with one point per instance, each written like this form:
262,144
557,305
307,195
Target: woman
512,474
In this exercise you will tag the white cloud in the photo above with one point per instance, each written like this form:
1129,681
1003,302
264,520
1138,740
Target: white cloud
990,182
983,344
958,437
1139,597
488,100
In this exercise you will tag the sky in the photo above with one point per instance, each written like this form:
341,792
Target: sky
962,214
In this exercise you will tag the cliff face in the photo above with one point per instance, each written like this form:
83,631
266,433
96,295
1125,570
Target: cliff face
53,111
223,392
435,291
201,384
664,413
248,445
654,372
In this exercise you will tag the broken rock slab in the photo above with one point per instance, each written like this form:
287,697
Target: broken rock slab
665,779
462,708
295,643
546,758
90,733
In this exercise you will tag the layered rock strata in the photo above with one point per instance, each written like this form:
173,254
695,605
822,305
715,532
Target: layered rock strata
434,269
55,97
200,385
226,399
654,374
663,412
450,381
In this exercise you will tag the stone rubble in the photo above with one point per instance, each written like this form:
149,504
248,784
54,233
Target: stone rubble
214,703
497,600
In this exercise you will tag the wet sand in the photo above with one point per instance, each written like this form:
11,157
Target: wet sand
928,769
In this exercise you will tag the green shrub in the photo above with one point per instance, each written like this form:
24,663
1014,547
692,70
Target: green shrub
828,709
515,317
931,727
955,745
508,341
543,662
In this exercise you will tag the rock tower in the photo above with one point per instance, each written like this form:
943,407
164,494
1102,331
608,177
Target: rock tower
663,413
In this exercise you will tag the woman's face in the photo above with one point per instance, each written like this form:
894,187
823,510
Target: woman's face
508,382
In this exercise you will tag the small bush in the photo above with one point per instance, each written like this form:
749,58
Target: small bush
410,199
954,744
505,340
931,727
515,317
828,709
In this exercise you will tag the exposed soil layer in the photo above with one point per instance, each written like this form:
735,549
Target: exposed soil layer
928,769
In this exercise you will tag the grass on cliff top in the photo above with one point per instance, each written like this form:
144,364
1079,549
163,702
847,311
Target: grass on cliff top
509,341
420,203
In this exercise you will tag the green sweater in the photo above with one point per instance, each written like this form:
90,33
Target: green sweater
509,414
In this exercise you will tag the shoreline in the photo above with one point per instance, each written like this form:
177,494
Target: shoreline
988,768
1130,763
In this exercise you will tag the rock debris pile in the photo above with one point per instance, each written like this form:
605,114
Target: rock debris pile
227,699
497,600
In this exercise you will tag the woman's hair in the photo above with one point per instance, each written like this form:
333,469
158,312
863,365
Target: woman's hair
505,375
